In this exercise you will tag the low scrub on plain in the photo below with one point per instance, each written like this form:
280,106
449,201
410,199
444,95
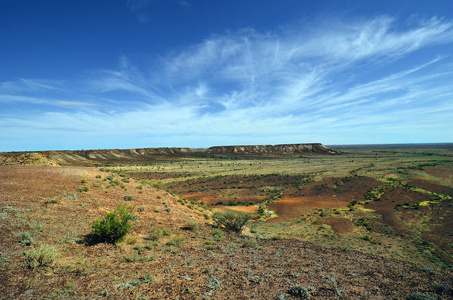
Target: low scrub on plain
43,256
192,225
233,221
115,225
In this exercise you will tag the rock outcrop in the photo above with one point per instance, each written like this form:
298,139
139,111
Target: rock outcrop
317,148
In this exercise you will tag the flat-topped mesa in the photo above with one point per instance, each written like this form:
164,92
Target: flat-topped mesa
115,154
131,152
316,148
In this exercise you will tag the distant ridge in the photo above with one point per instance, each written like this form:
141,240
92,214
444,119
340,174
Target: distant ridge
89,157
274,149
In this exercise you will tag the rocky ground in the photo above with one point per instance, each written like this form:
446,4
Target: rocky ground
56,206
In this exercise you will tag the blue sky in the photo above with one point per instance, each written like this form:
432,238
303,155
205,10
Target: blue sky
168,73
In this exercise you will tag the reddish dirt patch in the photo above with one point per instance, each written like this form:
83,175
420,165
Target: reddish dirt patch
345,189
340,225
441,171
214,196
245,209
441,234
393,200
288,208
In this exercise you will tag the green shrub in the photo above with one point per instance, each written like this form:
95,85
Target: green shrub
128,198
192,225
83,189
96,184
299,291
53,200
166,231
110,177
213,283
155,233
419,296
176,241
442,289
131,241
429,270
26,239
115,182
217,234
114,226
45,255
250,243
232,221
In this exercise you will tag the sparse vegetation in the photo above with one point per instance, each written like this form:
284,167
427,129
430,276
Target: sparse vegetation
420,296
155,233
192,225
26,239
176,241
43,256
303,201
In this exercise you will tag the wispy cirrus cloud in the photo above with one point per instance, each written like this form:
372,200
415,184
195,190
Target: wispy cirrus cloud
332,84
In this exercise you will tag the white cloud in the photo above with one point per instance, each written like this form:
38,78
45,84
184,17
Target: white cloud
248,87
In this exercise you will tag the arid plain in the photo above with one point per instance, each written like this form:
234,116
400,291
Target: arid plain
371,222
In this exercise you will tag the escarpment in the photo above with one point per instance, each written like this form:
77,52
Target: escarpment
92,157
317,148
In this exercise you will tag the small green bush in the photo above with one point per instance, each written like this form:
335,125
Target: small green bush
114,226
115,182
192,225
250,243
299,291
232,221
442,289
166,231
110,177
26,239
53,200
96,184
83,189
45,255
176,241
155,233
217,234
131,241
419,296
128,198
